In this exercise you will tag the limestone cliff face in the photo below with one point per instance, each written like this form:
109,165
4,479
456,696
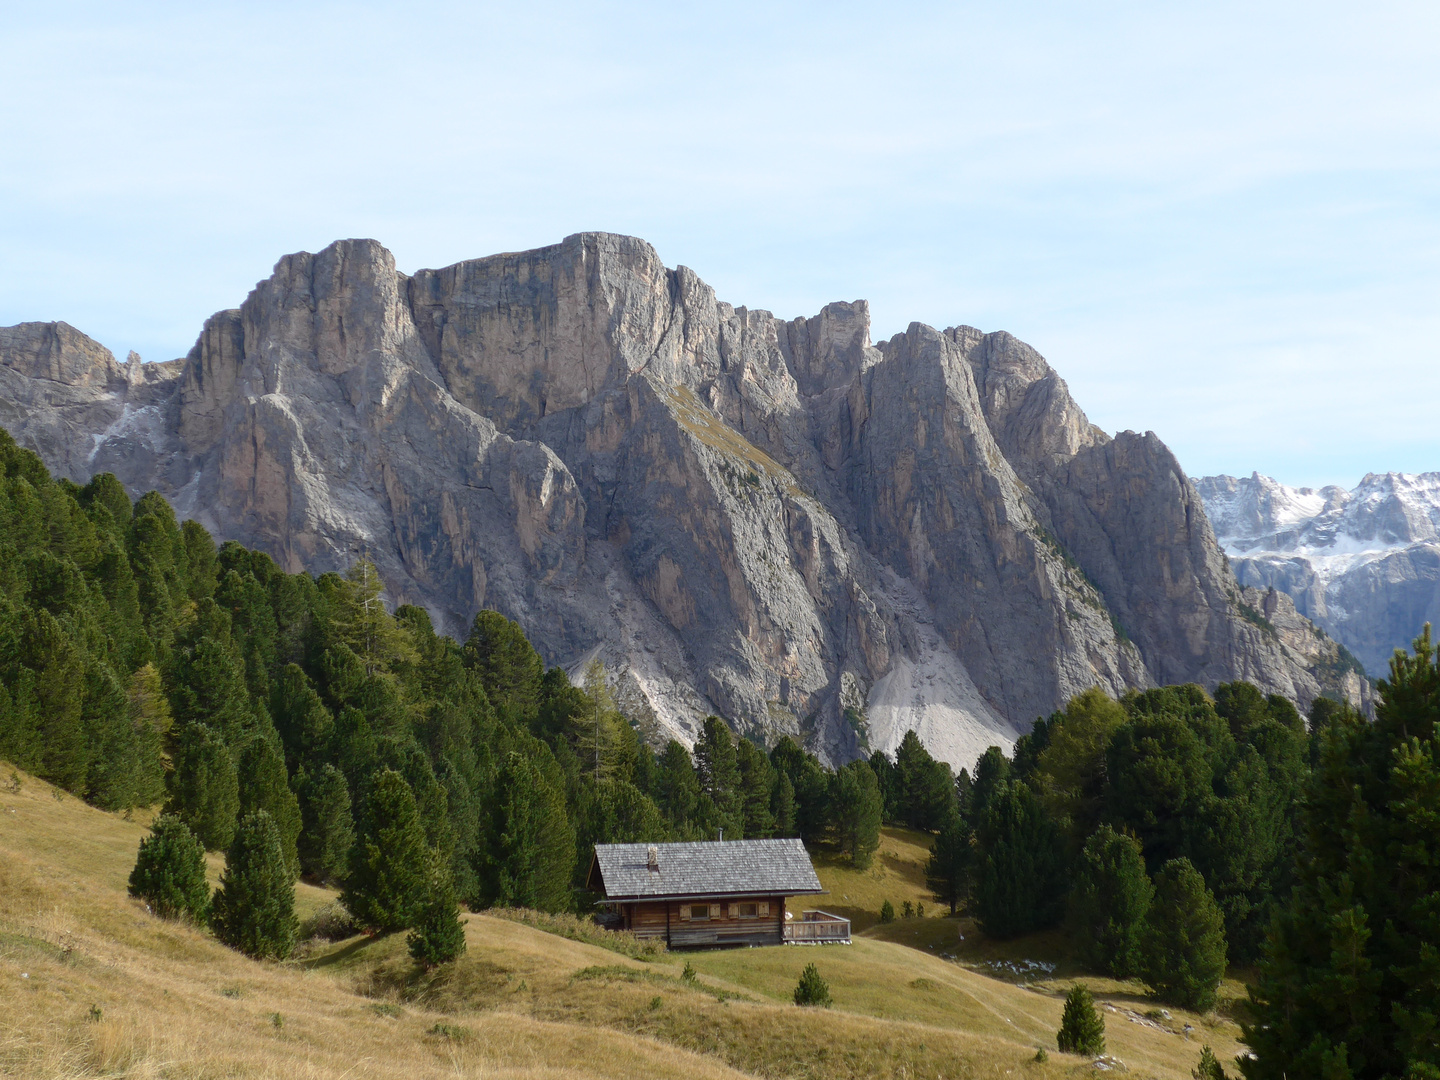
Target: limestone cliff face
774,520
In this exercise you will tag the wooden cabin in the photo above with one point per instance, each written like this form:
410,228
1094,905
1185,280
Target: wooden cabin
722,892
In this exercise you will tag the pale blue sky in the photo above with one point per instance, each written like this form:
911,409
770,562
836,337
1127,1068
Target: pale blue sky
1220,222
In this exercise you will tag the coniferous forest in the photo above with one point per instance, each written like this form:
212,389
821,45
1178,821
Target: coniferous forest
300,727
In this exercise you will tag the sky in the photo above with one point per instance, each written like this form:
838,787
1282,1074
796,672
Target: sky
1218,222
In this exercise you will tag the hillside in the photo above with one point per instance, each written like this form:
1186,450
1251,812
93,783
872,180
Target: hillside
776,521
91,985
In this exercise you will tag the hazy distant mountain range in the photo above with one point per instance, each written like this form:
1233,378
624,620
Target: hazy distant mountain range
774,520
1363,563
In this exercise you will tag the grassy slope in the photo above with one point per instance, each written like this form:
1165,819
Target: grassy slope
521,1003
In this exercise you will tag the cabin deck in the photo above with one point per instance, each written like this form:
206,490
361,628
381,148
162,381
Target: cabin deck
817,928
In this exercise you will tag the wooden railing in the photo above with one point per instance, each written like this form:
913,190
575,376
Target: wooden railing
817,928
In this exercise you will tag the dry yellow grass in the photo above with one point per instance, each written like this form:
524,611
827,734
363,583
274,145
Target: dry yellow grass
171,1002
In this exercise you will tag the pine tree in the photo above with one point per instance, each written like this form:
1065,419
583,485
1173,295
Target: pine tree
1109,903
1208,1068
1071,771
1082,1029
390,862
677,788
169,872
380,641
925,788
437,936
597,728
265,786
887,912
509,668
757,784
812,990
1020,864
1349,983
329,829
718,770
204,790
1182,944
947,871
254,908
858,809
531,851
782,805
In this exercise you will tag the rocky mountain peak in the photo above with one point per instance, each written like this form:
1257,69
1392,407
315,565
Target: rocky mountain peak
771,519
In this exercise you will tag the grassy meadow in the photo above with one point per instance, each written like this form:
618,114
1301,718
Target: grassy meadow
91,985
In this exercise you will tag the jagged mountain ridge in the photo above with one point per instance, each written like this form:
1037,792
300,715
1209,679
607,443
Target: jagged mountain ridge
1363,563
777,521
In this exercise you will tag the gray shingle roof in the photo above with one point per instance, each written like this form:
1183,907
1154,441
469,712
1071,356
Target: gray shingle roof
707,868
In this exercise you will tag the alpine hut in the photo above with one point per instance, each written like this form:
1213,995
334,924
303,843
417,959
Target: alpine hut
721,892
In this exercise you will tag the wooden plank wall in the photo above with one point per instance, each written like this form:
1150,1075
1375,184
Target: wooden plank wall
649,920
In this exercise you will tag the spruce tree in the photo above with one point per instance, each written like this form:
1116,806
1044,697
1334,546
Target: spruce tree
329,828
1082,1029
204,790
437,935
1182,944
718,770
254,908
390,862
530,855
782,805
812,990
1209,1067
265,786
1020,864
509,668
947,871
757,784
1109,902
169,872
925,788
858,809
1349,983
677,789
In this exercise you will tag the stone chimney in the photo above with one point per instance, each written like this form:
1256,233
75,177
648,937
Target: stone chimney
652,859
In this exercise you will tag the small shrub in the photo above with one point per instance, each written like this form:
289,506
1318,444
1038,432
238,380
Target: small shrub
656,1002
887,912
907,910
1208,1068
13,784
330,922
97,1014
1041,1056
169,872
453,1032
919,910
1082,1030
277,1020
689,973
812,989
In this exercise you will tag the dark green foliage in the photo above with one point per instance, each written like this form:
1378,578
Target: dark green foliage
1182,945
390,862
169,872
810,786
329,828
1020,867
254,907
1349,982
204,788
717,768
1208,1068
991,770
264,786
531,851
757,784
1109,902
677,791
947,871
887,912
812,990
782,805
925,788
509,668
858,809
437,936
1082,1030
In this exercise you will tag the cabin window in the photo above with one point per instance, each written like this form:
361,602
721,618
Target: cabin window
748,911
698,912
